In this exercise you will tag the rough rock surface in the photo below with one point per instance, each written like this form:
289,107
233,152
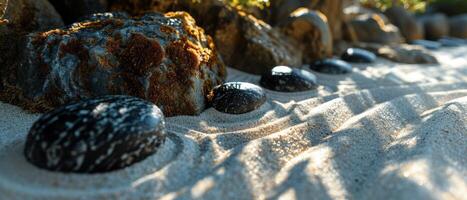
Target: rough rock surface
458,26
408,25
436,26
73,10
374,28
251,45
403,53
310,30
165,59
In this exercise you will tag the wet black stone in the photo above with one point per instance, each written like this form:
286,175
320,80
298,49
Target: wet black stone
96,135
358,56
331,66
427,44
452,42
237,97
286,79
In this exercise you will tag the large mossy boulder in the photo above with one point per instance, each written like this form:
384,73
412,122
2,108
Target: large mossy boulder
165,59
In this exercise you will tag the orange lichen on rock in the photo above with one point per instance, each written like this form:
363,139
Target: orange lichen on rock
165,59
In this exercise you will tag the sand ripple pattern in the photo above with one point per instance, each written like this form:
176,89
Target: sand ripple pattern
384,131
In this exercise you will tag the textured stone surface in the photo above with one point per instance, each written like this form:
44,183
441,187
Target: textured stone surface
374,28
436,26
287,79
251,45
165,59
408,25
96,135
237,97
358,56
403,53
331,66
72,10
458,26
311,32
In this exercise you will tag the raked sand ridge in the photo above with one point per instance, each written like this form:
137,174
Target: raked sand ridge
386,131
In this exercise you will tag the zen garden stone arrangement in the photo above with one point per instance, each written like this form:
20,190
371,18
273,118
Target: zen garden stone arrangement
105,77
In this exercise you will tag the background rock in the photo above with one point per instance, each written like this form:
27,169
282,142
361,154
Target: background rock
374,28
310,30
251,45
167,60
29,15
436,26
458,26
72,10
408,25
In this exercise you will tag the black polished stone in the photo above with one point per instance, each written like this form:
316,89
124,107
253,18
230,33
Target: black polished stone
331,66
286,79
96,135
356,55
452,42
427,44
237,97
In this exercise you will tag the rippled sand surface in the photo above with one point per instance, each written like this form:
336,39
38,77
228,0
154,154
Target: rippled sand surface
385,131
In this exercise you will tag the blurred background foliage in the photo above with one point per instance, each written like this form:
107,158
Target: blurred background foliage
450,7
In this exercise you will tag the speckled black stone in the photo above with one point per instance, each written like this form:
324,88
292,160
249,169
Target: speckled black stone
427,44
237,97
356,55
96,135
331,66
287,79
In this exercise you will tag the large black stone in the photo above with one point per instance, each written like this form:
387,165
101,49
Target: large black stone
237,97
96,135
331,66
358,56
286,79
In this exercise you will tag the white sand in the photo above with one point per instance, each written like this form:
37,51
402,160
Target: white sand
387,131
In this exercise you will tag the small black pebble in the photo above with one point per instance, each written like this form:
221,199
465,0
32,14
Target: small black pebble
331,66
286,79
237,97
427,44
96,135
358,56
452,42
